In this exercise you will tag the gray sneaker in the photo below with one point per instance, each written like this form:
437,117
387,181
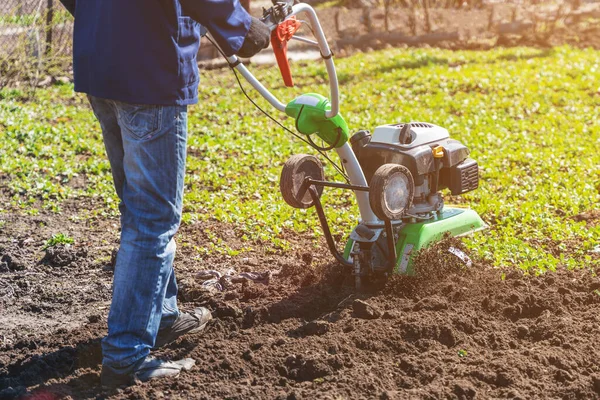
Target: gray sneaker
185,323
143,370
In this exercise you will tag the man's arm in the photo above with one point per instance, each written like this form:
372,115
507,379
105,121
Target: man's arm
69,5
226,20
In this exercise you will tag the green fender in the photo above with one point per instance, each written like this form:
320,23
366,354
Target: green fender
419,235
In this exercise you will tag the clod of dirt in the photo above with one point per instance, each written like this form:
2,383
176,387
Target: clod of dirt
94,318
227,310
231,295
63,255
192,291
596,383
388,395
391,315
464,390
249,319
589,217
364,310
433,303
301,369
26,241
314,328
12,263
307,258
522,331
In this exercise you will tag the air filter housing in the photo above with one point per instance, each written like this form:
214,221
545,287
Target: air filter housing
461,178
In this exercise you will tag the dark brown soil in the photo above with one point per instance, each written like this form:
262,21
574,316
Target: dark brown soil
591,218
450,332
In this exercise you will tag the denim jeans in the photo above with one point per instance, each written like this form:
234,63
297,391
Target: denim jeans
146,147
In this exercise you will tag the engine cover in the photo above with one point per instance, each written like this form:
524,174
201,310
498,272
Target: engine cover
411,147
420,133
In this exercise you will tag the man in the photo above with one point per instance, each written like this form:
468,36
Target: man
136,60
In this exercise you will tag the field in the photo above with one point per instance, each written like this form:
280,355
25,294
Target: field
521,323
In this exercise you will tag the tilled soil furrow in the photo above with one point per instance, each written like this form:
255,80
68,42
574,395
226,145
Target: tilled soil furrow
450,332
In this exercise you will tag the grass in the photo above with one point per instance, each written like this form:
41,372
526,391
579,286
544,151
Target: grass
529,117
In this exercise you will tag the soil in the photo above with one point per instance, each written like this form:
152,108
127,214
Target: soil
450,332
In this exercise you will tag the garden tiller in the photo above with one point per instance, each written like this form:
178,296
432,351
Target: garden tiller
396,172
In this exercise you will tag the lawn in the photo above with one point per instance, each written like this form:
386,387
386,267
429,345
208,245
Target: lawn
529,116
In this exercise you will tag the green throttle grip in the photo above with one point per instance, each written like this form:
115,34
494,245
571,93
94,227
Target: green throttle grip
309,111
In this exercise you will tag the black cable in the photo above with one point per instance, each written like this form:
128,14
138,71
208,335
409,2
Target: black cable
322,148
309,26
306,24
337,168
341,171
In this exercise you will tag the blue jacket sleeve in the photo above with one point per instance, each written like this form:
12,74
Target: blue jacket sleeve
226,20
69,5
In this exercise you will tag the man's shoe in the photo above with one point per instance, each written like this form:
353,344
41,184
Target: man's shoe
143,370
185,323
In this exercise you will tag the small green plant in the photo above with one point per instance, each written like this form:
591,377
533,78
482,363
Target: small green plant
58,239
462,353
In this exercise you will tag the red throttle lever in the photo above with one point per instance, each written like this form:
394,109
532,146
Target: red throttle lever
279,39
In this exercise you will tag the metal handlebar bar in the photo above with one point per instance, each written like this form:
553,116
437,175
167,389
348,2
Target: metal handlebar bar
325,53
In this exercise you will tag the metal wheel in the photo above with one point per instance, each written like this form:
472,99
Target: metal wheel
391,191
295,171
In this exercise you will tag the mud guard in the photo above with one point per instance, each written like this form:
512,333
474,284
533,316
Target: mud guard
416,236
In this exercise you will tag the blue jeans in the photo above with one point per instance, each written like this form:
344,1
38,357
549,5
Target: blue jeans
146,147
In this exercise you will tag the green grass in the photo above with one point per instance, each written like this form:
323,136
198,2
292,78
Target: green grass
529,116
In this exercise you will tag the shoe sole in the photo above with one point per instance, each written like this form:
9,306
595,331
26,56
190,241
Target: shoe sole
134,381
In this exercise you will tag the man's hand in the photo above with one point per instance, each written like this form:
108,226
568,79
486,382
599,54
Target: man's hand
257,39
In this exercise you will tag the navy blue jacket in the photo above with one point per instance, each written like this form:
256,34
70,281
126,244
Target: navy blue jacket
144,51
